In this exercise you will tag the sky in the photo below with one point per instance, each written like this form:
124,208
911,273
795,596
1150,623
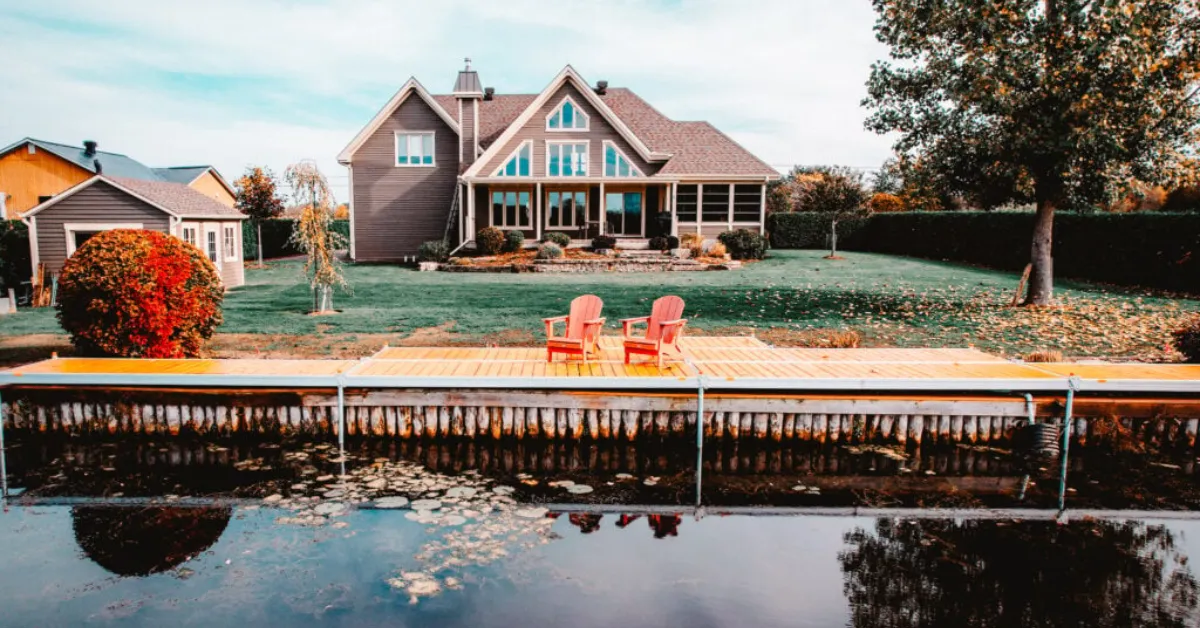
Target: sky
268,82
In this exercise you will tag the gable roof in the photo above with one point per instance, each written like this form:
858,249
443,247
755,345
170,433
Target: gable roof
412,86
113,164
188,174
695,148
176,199
568,75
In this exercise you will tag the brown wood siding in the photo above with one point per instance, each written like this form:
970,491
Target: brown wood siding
97,203
25,177
398,208
208,185
599,130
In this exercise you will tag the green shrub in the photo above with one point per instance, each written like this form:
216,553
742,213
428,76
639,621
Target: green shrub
489,240
798,230
1187,341
15,265
658,243
549,250
514,241
604,242
744,244
136,293
557,237
672,242
433,251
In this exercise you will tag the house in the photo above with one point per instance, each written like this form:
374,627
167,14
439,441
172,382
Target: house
62,223
33,171
573,158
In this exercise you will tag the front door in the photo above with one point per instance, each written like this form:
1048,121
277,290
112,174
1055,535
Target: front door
623,213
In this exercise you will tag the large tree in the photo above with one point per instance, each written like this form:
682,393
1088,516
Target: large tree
258,199
1051,102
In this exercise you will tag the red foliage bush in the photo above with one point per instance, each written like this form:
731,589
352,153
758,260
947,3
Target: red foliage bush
135,293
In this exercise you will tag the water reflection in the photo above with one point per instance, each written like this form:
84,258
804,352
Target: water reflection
144,541
984,573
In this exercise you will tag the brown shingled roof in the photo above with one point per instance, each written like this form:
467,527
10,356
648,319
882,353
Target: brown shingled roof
179,199
696,148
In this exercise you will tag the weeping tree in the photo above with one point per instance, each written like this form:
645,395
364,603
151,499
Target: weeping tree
313,232
836,195
1049,102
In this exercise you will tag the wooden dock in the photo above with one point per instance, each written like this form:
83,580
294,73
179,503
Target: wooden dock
751,390
727,364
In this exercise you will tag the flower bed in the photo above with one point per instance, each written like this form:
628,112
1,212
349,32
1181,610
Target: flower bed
581,261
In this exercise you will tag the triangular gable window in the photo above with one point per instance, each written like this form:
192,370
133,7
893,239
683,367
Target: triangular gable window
520,164
616,164
567,117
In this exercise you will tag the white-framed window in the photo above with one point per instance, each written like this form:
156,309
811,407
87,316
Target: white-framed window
3,204
616,164
520,163
566,159
415,148
567,116
231,253
511,209
189,236
211,247
566,209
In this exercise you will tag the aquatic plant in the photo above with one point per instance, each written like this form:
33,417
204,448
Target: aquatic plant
136,293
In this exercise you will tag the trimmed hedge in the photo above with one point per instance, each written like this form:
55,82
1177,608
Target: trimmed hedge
276,234
1150,249
15,265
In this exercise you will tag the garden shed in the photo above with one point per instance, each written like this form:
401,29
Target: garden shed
61,224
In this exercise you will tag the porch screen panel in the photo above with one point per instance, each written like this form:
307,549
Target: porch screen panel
747,203
715,205
686,203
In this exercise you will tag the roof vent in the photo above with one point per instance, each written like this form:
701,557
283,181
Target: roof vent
89,148
489,93
601,87
96,162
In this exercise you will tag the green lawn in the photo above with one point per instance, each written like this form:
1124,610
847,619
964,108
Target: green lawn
889,300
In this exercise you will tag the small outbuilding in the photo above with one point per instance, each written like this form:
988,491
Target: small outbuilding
61,224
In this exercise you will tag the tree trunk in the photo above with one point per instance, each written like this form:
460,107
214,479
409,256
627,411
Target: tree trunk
833,240
1041,279
258,242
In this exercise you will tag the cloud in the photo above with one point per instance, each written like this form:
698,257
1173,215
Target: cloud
234,83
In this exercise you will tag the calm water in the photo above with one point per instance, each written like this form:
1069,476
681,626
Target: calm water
59,569
80,545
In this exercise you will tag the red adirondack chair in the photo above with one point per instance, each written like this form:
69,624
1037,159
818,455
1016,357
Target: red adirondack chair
663,330
582,328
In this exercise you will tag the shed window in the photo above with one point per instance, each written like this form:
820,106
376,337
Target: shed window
685,203
414,149
212,247
189,236
231,253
